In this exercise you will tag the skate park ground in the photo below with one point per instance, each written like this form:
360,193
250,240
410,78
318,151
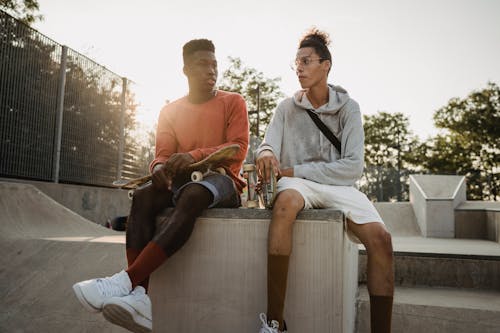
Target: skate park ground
47,247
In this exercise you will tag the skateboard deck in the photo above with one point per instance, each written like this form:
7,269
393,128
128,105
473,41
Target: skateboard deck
210,164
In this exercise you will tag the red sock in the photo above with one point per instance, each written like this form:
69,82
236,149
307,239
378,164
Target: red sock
150,258
132,254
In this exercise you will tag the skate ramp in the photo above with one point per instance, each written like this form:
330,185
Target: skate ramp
399,218
45,249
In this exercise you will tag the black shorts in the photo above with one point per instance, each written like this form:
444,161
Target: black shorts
222,187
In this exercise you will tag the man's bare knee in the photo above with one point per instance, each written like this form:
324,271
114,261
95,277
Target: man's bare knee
288,204
380,242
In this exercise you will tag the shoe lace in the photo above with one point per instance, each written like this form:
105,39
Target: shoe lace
140,296
107,287
265,325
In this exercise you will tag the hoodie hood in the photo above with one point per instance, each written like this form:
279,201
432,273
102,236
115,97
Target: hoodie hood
338,97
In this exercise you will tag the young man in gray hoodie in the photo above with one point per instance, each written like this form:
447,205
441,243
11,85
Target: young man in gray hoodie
314,174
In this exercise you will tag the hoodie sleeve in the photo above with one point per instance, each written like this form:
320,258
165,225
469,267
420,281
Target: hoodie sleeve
274,134
349,168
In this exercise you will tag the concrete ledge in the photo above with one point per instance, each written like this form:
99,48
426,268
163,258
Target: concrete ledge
217,281
437,310
446,270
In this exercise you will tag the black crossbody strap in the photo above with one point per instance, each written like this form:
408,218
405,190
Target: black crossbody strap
324,129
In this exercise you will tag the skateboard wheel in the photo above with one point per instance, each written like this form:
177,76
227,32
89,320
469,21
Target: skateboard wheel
196,176
221,170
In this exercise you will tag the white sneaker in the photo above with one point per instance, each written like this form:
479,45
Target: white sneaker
265,328
132,312
93,293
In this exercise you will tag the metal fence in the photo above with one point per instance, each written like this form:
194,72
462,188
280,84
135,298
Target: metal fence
63,117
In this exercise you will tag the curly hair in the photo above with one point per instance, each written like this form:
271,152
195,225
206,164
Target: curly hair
196,45
319,41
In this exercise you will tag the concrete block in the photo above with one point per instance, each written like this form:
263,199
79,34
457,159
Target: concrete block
217,281
434,199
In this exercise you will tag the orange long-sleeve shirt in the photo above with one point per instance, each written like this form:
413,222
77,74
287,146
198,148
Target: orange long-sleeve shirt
201,129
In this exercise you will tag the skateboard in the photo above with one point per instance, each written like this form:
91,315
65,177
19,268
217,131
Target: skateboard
210,164
258,190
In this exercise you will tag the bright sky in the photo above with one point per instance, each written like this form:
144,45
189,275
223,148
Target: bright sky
391,55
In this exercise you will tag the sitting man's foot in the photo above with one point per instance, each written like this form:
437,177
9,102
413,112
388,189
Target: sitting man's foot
93,293
132,312
269,326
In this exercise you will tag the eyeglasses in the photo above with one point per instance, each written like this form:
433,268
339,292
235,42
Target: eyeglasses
304,62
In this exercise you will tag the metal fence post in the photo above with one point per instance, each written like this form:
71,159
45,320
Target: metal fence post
122,129
59,115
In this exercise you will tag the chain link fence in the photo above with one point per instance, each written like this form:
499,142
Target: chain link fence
63,117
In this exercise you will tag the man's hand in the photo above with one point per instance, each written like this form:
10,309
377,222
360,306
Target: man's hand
178,162
288,172
266,163
162,177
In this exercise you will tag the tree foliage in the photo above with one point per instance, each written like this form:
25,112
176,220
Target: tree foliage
389,155
470,145
25,10
261,93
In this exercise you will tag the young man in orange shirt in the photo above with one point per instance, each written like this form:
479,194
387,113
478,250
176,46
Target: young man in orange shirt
189,129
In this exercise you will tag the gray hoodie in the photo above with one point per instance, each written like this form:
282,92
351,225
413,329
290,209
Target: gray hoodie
297,142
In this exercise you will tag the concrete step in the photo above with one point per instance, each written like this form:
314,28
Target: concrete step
450,263
436,310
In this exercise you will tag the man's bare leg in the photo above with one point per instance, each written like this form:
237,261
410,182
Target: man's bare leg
286,207
380,272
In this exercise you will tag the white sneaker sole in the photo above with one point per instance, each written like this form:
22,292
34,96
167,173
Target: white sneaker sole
81,297
125,316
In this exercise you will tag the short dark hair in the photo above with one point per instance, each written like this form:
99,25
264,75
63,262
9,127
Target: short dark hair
319,41
196,45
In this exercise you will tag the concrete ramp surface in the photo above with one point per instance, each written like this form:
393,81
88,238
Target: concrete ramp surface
45,249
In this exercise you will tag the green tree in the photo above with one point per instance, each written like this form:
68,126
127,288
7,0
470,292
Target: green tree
470,145
389,156
25,10
261,93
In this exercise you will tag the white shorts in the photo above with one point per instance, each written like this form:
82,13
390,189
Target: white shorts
353,203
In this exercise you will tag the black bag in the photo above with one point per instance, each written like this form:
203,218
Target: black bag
324,129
